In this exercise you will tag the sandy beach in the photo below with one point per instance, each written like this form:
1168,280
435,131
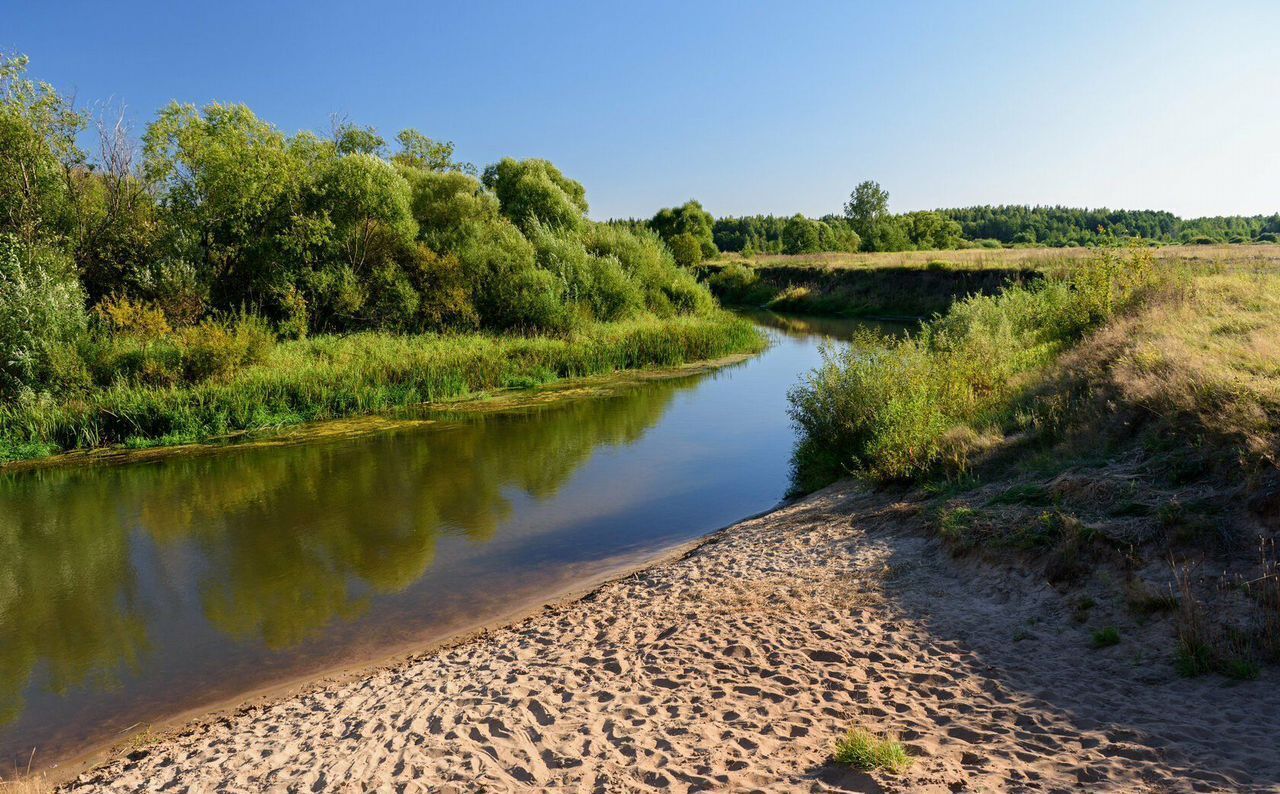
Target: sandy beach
737,666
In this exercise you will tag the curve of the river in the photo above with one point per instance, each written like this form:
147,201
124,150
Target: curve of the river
133,593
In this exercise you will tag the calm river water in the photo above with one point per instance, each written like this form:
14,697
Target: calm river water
133,593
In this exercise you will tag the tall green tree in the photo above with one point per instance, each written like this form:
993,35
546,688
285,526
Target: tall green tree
689,218
867,207
535,191
38,155
231,188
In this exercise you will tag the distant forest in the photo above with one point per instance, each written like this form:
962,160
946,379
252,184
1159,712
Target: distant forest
867,225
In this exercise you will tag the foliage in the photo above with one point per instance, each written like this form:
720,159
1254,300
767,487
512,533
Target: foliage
534,191
1062,226
225,219
687,219
764,234
868,205
332,376
38,153
685,249
897,410
41,311
417,151
801,236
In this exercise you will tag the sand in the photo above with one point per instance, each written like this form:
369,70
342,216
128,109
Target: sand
737,667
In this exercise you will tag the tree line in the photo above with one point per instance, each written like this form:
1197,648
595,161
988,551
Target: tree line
219,215
866,224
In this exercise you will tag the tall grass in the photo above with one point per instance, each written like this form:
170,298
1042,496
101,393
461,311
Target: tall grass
896,410
328,377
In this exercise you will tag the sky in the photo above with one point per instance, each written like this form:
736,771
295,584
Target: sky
748,106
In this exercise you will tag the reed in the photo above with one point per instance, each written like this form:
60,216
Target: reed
338,376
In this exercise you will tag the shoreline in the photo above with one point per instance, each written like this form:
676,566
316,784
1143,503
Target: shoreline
736,661
66,768
485,401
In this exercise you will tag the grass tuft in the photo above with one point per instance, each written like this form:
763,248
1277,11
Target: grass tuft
868,752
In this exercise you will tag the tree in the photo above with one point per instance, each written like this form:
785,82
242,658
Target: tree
689,218
38,154
801,235
419,151
868,205
231,187
353,139
41,309
368,203
534,190
931,231
686,249
450,207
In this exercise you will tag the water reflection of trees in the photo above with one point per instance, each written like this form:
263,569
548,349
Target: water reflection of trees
68,596
287,540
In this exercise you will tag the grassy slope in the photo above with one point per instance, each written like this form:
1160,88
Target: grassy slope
328,377
1135,457
923,283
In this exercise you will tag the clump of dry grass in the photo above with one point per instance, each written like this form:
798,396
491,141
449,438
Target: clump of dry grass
1211,358
26,784
1201,257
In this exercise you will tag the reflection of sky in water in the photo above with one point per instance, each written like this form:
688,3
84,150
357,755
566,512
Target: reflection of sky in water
123,591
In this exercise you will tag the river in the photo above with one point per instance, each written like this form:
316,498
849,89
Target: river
131,594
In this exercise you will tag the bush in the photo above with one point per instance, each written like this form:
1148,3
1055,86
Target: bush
896,410
213,351
446,294
648,263
41,311
123,316
686,249
598,285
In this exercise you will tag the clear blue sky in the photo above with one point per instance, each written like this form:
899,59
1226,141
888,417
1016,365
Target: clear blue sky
747,106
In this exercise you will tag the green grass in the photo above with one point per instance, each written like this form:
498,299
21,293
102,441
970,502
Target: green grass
865,751
961,385
338,376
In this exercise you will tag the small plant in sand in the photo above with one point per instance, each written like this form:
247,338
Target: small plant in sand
866,751
1105,638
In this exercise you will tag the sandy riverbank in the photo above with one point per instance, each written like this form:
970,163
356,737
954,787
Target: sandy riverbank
737,667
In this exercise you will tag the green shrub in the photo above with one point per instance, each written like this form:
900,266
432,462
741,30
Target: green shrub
738,285
686,249
41,311
896,410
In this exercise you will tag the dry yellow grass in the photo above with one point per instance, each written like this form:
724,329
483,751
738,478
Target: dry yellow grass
35,784
1213,355
1199,257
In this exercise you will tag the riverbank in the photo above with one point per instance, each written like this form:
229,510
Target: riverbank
740,664
339,377
912,285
